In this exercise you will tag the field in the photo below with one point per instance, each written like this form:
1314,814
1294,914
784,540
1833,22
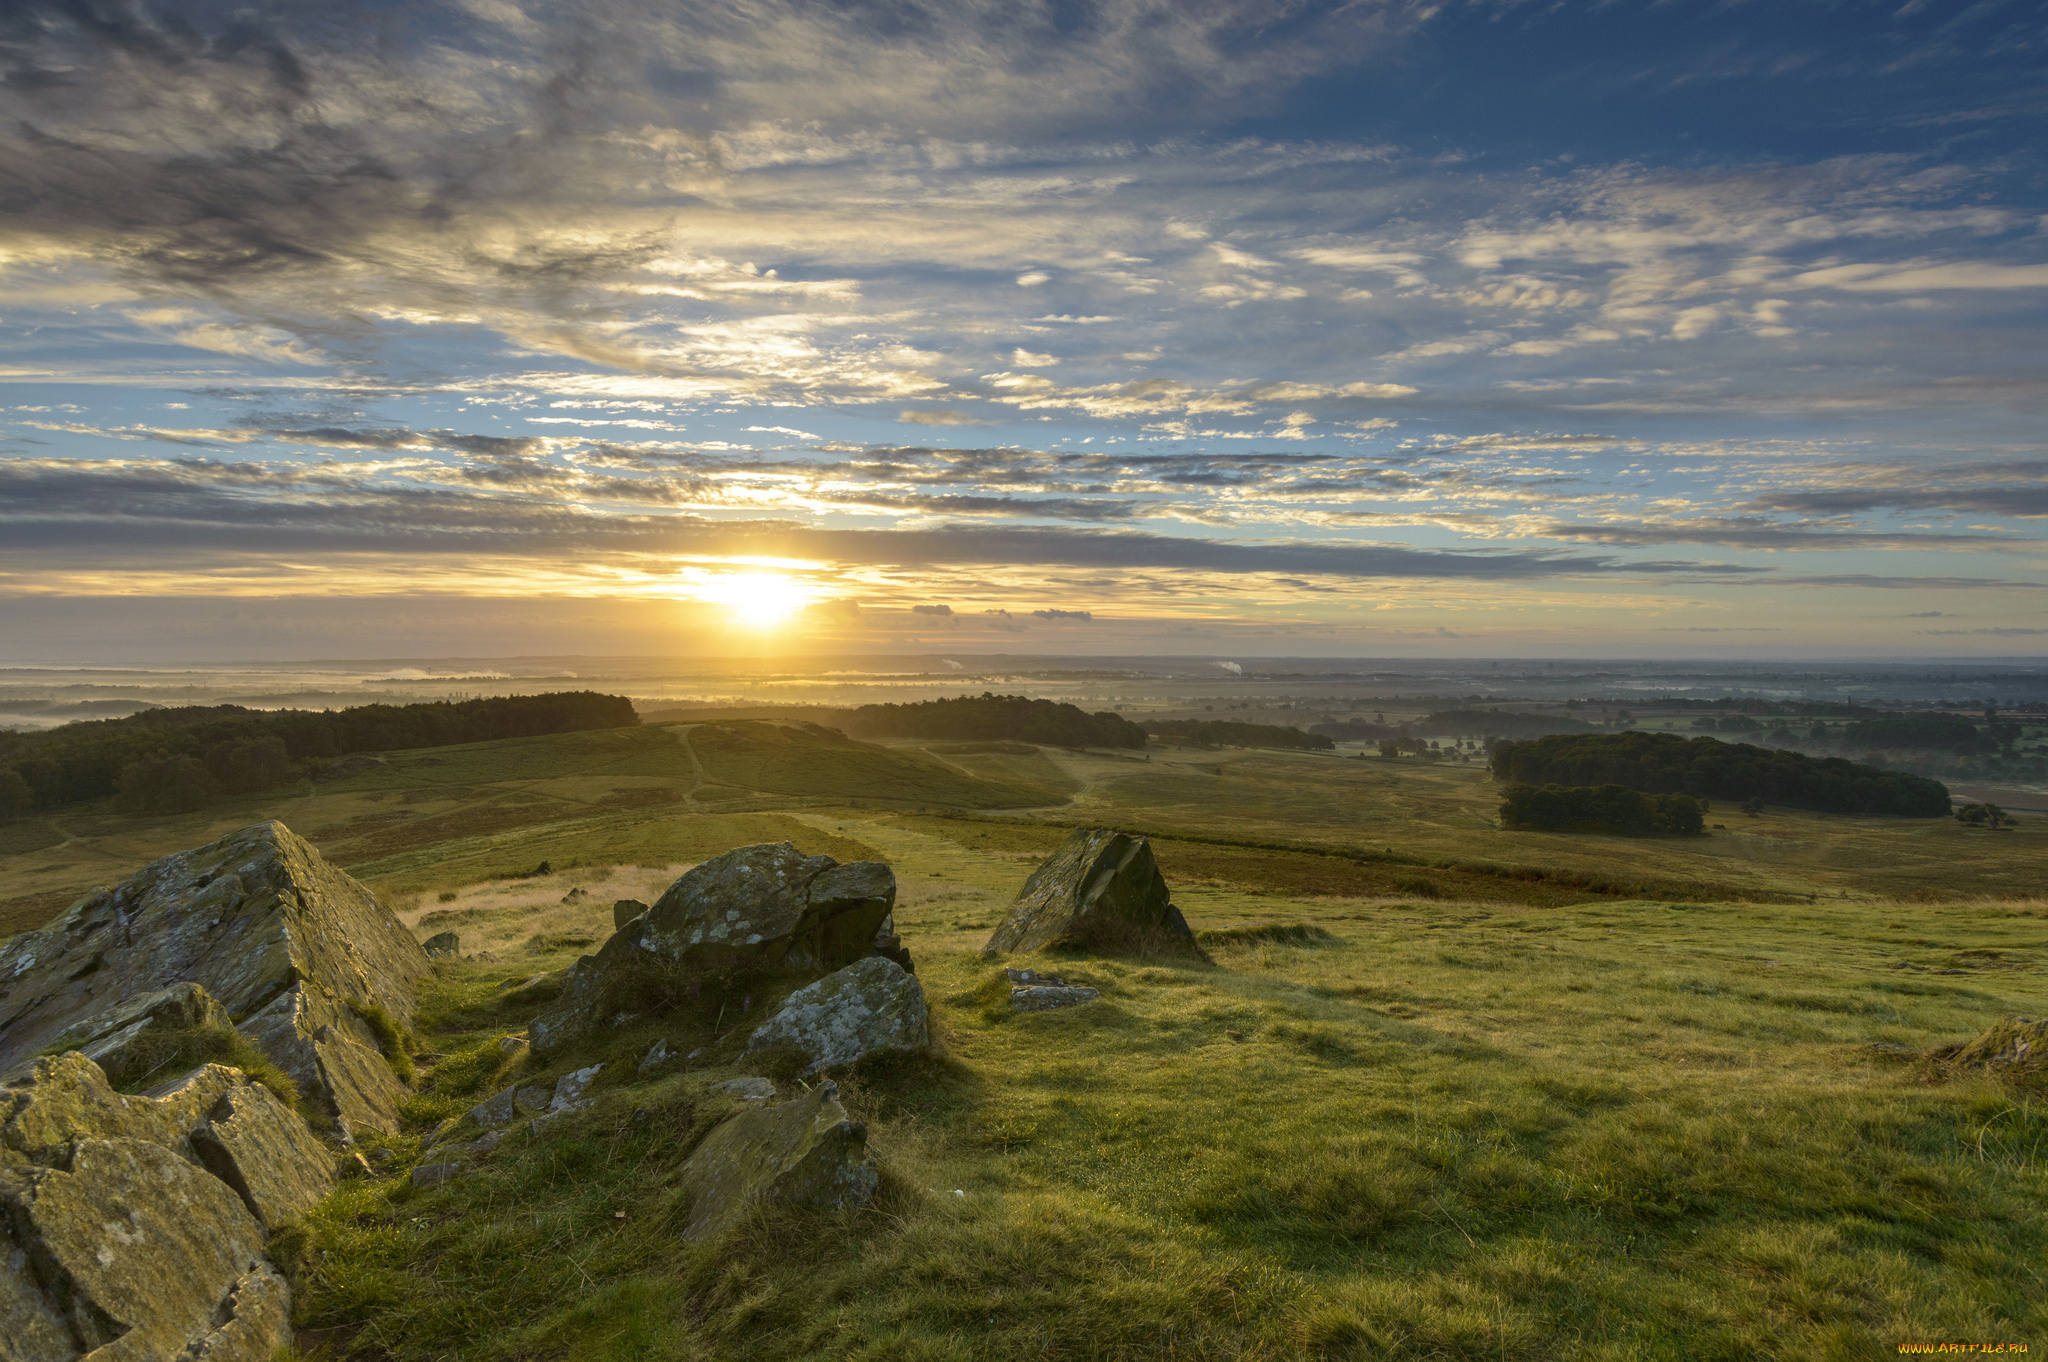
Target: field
1445,1091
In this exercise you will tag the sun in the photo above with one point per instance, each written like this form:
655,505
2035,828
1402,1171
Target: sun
761,600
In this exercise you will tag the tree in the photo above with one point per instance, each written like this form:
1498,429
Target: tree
246,765
1390,749
164,785
15,794
1753,807
1982,815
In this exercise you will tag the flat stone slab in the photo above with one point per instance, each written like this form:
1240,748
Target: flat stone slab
1034,991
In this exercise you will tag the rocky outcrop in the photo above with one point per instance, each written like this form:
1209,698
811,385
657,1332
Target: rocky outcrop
870,1007
1101,890
442,945
133,1227
757,910
1031,991
332,1054
802,1152
264,1150
121,1038
262,923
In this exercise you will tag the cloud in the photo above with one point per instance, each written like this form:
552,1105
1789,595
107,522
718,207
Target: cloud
1064,616
937,416
945,611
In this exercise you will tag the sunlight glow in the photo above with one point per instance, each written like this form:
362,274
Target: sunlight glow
762,600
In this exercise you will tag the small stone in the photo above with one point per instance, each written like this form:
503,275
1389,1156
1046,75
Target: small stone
655,1057
1044,998
575,896
442,946
434,1174
747,1089
511,1045
1032,978
569,1090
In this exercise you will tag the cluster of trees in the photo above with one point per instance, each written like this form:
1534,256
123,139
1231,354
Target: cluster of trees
1664,763
1602,808
170,760
1983,816
1229,733
1014,717
1919,732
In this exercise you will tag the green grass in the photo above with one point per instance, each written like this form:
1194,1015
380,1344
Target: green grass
1638,1130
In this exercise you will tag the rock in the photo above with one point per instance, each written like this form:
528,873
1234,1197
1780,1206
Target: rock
803,1152
2016,1044
748,1089
442,945
67,1097
569,1090
253,919
871,1007
625,910
509,1046
132,1246
1032,991
504,1107
1101,890
575,896
118,1039
484,958
332,1055
890,946
434,1174
1044,997
265,1151
657,1055
757,910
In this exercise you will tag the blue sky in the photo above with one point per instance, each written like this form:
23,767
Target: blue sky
1628,329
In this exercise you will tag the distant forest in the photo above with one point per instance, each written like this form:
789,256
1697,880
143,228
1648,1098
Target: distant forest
989,716
1601,808
1229,733
1664,763
163,760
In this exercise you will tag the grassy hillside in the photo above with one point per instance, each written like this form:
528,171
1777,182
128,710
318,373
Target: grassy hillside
1448,1090
1389,1129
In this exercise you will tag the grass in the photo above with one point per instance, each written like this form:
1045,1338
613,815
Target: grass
1444,1091
1401,1129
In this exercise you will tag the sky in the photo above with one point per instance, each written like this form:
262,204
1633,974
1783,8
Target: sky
1625,328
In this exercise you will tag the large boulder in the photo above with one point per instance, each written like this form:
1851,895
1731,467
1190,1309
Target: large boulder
1101,890
265,1151
802,1152
263,924
138,1256
873,1006
758,910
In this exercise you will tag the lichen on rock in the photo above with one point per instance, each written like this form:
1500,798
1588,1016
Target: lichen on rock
757,910
871,1007
1101,890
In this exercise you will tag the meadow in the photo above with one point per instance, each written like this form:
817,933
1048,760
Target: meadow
1441,1091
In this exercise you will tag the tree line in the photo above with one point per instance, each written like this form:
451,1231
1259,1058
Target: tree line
1664,763
163,760
1601,808
1016,718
